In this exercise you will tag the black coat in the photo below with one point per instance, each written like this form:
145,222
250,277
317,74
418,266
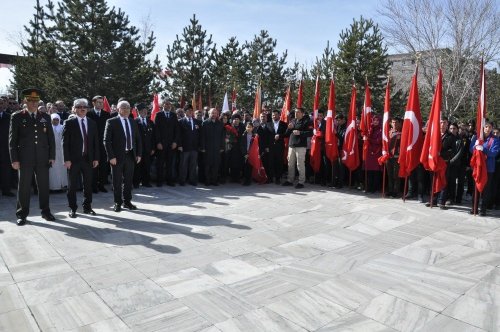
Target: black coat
304,126
212,138
100,122
4,138
72,141
281,132
166,129
115,139
189,139
147,134
31,142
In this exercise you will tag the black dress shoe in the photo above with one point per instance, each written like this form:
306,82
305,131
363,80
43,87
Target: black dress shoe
48,216
102,189
117,207
129,206
147,185
8,194
89,211
299,186
72,213
21,221
287,184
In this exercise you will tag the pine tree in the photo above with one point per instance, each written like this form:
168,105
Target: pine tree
362,55
87,49
191,59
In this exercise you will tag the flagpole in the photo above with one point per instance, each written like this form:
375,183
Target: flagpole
383,181
405,189
475,200
432,189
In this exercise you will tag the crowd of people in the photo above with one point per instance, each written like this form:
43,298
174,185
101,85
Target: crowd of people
87,148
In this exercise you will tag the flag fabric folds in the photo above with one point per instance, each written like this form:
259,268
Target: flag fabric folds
258,171
300,94
411,134
331,144
431,152
134,112
225,104
386,126
287,106
350,153
233,100
156,107
366,120
106,106
258,104
478,160
317,138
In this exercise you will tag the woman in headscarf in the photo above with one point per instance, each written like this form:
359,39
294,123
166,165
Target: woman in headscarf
373,168
58,177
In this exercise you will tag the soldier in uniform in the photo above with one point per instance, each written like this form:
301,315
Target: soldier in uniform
32,151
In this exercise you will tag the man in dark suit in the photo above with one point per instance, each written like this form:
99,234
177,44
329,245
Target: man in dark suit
265,136
32,151
100,176
146,130
81,153
167,136
189,144
124,149
212,144
5,167
277,128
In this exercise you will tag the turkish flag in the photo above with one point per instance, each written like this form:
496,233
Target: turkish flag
331,144
317,138
233,100
156,107
350,153
300,94
431,152
134,112
287,106
411,134
106,106
257,108
386,126
366,120
258,171
478,160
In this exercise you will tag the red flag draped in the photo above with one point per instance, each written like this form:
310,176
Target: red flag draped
106,106
331,144
317,138
156,107
411,134
478,160
258,171
258,104
386,126
350,154
431,152
300,94
134,112
233,100
287,106
366,120
193,101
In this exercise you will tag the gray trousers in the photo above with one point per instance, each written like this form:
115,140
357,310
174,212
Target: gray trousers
188,164
297,156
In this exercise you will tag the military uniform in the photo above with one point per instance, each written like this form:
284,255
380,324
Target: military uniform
32,145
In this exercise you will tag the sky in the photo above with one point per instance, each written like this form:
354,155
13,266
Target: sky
301,27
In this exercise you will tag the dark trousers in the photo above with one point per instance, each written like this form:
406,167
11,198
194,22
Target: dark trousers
247,172
26,173
142,172
188,163
212,163
393,180
460,184
339,172
5,176
165,165
373,181
276,161
123,173
77,171
100,173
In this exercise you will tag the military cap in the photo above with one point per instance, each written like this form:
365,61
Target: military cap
32,94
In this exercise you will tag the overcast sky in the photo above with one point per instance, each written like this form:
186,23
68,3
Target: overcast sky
301,27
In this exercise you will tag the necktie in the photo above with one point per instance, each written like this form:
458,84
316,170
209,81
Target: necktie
33,116
127,132
145,123
191,122
85,138
98,114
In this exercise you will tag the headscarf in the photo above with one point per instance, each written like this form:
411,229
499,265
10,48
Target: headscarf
57,129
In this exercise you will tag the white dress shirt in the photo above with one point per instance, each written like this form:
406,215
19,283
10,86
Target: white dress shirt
122,121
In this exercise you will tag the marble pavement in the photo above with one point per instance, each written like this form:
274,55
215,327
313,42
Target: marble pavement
258,258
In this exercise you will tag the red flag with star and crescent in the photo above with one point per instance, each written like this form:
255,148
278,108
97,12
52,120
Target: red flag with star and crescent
315,159
386,126
156,107
331,144
258,171
366,120
350,153
106,106
411,134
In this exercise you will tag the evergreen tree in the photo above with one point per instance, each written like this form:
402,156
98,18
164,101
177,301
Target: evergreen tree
362,55
191,59
85,48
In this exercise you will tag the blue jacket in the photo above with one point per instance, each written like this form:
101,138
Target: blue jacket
491,147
